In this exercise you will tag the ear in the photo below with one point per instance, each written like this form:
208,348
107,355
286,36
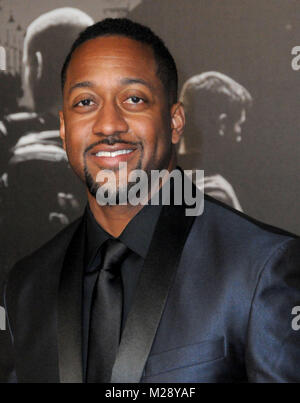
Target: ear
222,123
62,132
177,122
39,65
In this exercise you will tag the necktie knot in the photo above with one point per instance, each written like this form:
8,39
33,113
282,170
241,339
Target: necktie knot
114,253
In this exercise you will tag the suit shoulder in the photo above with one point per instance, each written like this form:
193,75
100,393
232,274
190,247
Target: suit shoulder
239,247
53,250
61,237
235,227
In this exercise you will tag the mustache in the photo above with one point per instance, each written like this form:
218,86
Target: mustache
111,141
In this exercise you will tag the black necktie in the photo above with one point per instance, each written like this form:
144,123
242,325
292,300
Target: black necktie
106,313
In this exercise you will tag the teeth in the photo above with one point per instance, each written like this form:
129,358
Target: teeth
112,154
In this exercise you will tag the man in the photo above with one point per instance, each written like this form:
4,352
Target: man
32,142
216,107
147,294
34,206
32,139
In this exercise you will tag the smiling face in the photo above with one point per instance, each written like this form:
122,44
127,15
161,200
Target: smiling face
116,110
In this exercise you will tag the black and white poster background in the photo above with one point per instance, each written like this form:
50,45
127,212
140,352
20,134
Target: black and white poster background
239,82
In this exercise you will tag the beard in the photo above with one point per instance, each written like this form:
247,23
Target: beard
111,196
116,195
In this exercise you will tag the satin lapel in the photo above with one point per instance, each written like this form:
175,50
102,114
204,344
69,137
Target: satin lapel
70,311
152,291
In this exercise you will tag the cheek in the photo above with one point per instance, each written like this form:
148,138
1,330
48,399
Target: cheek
76,143
76,133
153,132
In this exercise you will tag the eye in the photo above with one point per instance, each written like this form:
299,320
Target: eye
135,100
85,102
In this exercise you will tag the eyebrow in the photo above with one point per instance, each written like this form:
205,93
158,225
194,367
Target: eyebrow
82,84
129,80
124,81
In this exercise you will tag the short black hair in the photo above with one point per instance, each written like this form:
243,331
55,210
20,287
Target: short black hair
166,67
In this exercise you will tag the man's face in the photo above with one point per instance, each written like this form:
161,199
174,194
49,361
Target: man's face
115,110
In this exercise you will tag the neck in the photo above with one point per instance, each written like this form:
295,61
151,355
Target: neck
113,219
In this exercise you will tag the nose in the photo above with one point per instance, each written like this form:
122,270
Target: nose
110,121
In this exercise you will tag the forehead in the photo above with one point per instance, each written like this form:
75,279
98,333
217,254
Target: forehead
112,54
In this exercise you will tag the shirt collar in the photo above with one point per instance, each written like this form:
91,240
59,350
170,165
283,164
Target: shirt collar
139,232
136,236
95,236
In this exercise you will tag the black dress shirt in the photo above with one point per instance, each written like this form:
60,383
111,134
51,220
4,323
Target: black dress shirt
137,237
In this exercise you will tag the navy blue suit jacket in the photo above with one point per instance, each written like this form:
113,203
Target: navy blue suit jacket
213,304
